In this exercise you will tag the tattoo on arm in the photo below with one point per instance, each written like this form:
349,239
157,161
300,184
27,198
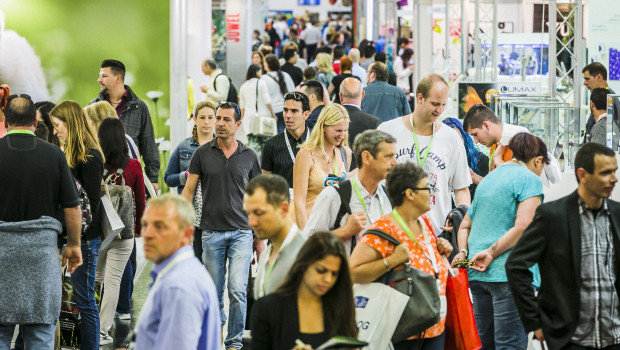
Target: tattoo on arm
494,248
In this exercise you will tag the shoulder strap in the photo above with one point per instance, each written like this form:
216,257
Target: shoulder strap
381,234
257,80
215,80
343,153
272,77
344,190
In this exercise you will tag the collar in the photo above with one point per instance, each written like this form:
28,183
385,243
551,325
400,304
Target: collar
364,192
157,268
583,206
379,82
124,97
352,105
301,138
215,73
20,131
604,115
294,230
213,144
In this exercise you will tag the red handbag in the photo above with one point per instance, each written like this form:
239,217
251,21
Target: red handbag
461,331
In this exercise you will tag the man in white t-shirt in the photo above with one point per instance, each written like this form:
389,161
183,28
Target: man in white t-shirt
484,126
438,149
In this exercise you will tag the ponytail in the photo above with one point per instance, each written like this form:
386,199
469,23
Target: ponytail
281,83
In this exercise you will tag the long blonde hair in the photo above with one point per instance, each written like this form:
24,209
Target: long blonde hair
99,111
331,114
324,63
81,136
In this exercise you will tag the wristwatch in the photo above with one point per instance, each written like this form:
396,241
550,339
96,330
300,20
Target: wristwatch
464,251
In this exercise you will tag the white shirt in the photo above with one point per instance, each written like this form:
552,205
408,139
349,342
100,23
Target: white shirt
311,35
280,27
359,72
403,75
327,205
221,94
247,101
509,130
277,99
446,165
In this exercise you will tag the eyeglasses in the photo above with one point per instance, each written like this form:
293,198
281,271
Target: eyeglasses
14,96
419,189
229,105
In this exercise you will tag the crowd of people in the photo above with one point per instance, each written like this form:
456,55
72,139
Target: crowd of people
345,154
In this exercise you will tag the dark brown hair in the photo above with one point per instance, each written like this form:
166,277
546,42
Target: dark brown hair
526,146
476,115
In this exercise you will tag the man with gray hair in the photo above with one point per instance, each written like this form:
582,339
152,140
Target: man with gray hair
349,208
351,95
357,70
182,295
218,83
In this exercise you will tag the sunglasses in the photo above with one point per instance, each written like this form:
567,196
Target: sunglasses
14,96
299,97
229,105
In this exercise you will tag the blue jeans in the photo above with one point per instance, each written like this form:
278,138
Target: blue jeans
436,343
36,336
83,281
497,318
236,246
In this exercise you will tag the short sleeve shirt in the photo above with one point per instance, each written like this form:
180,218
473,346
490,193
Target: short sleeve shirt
493,213
417,258
223,182
35,179
276,156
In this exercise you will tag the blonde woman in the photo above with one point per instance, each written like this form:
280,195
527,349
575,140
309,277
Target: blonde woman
325,153
326,71
85,158
98,112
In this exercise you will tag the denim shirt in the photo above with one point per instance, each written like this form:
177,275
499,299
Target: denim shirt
385,101
179,163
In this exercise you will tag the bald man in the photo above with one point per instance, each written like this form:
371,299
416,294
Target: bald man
357,70
351,95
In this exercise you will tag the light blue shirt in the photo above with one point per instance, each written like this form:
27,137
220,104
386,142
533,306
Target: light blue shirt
493,213
184,312
359,72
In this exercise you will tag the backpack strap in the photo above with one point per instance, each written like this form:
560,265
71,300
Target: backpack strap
257,80
215,80
344,190
343,153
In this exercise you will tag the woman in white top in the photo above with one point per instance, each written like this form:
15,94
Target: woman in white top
403,71
278,84
254,101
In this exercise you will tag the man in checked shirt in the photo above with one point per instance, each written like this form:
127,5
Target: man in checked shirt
575,242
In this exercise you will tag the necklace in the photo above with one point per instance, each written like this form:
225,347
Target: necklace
327,160
115,103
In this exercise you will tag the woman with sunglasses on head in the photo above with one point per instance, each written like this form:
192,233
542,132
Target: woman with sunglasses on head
372,257
176,173
111,263
85,158
278,84
313,304
254,102
504,206
322,160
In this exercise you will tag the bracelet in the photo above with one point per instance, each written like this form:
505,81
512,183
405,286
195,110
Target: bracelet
387,267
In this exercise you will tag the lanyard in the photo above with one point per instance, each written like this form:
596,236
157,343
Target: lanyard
20,131
289,237
361,199
422,160
288,144
493,148
430,255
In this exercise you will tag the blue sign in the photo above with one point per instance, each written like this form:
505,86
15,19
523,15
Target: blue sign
309,2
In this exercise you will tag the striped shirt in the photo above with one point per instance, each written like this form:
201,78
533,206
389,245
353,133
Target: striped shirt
276,156
599,315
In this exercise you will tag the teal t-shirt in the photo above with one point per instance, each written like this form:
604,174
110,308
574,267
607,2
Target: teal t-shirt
493,213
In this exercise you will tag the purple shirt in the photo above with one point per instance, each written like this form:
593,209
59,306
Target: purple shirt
121,106
184,312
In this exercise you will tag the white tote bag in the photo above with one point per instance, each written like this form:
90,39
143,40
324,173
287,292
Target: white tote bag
377,311
111,223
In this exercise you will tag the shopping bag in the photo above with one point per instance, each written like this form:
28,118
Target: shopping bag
69,320
111,223
378,309
461,331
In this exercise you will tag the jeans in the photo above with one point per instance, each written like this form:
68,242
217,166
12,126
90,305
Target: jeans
83,281
436,343
36,336
236,246
110,269
281,124
497,318
126,290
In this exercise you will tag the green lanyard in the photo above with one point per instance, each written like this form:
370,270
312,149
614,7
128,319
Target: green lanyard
325,156
491,156
21,131
422,160
405,227
268,275
361,199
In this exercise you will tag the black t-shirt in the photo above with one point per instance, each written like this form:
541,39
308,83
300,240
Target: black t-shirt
223,183
276,156
89,174
35,179
295,72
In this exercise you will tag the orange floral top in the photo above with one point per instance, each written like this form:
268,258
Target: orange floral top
417,258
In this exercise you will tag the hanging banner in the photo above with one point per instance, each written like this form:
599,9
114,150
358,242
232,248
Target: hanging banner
237,49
